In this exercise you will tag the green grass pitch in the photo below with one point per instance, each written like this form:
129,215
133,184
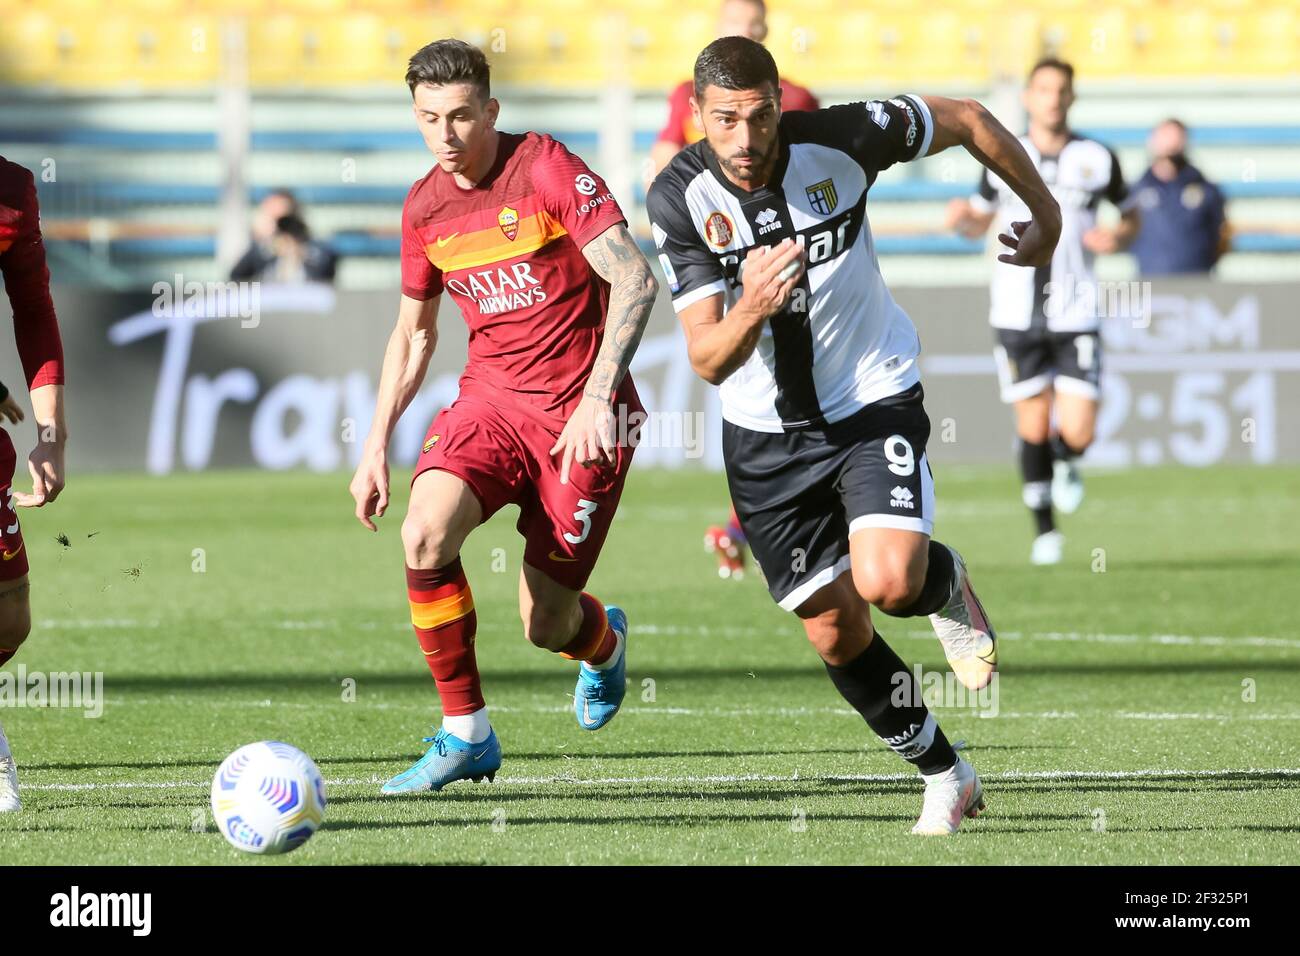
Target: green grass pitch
1147,713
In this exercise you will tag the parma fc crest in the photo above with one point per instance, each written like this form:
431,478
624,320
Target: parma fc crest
822,197
508,220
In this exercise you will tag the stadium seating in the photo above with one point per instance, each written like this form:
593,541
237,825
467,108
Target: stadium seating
147,184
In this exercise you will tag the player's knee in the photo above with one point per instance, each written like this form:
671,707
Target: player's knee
1034,433
1079,437
885,586
428,544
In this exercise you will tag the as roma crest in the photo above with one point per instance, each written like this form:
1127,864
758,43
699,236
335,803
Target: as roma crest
508,220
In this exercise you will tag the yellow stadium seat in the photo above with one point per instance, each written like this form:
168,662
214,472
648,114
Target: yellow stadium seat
1263,41
1097,43
553,51
178,52
277,51
29,48
1173,42
153,8
98,53
408,33
319,10
348,50
662,51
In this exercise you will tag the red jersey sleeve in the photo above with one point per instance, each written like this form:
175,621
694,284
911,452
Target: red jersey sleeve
27,278
421,279
797,98
679,114
573,194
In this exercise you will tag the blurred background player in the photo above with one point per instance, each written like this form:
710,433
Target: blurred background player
282,248
824,426
36,333
1184,223
743,18
1046,319
536,252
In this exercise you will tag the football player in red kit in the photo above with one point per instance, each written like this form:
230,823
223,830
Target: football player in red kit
536,252
36,332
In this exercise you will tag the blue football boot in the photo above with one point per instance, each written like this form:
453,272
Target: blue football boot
449,759
600,693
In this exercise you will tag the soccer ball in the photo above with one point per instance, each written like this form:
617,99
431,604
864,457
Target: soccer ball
268,797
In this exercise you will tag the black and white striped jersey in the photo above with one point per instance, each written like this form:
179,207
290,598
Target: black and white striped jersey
843,342
1063,296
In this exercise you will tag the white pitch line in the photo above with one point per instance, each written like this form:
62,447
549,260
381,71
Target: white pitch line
1010,776
704,630
972,710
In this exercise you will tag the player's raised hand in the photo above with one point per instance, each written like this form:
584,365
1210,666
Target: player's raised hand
770,276
588,437
369,487
1032,244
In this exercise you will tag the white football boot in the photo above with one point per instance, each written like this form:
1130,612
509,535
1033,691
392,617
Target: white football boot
1067,487
8,778
949,796
968,639
1048,548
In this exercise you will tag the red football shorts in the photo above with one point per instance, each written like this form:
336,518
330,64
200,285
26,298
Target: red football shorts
13,556
504,457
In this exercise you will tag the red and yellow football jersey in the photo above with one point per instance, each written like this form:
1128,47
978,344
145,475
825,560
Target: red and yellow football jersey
509,251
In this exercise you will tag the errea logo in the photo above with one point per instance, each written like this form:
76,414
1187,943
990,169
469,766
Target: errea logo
901,497
767,220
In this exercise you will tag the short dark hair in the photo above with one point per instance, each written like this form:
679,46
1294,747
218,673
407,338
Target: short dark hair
450,61
735,63
1052,63
1174,121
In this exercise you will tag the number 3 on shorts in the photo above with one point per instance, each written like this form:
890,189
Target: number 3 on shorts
583,517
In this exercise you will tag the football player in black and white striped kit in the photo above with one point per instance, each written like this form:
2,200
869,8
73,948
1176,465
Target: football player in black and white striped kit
1048,349
763,237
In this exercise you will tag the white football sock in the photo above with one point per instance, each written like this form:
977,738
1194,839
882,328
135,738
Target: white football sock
472,728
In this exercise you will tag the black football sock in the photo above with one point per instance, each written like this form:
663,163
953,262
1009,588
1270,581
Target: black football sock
881,688
1036,473
938,584
1063,450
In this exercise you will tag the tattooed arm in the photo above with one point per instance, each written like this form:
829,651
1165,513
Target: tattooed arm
588,436
632,289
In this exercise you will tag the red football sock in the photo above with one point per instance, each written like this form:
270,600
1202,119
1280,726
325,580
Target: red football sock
442,612
595,640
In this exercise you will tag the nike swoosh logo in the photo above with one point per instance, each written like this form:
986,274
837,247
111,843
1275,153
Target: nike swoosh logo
482,755
9,555
586,713
559,557
442,242
436,650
